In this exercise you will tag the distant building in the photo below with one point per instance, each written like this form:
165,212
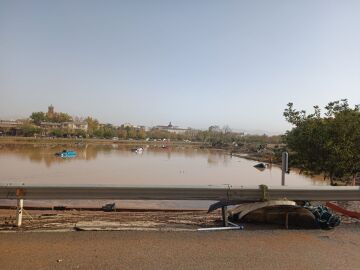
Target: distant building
81,125
51,111
143,128
77,125
50,125
127,125
10,123
10,127
70,126
172,129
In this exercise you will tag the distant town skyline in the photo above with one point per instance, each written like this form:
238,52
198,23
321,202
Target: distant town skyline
194,63
51,109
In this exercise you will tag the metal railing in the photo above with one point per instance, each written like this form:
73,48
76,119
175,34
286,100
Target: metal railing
212,193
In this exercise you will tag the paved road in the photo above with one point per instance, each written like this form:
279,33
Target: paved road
265,249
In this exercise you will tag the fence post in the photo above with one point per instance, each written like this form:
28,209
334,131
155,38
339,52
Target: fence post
284,167
19,212
224,215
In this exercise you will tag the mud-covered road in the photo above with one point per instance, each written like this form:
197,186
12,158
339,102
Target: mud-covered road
260,249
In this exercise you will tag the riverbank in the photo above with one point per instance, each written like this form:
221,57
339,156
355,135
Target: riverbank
245,153
71,141
261,249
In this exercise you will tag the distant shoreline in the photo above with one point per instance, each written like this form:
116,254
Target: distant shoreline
42,140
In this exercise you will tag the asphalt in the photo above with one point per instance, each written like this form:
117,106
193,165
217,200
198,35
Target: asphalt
261,249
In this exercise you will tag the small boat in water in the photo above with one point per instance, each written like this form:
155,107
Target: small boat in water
66,154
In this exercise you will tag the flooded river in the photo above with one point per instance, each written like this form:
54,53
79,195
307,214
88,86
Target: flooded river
117,164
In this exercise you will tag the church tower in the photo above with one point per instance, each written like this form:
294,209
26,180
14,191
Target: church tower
50,113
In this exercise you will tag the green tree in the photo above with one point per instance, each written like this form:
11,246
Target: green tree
61,117
140,134
131,132
122,133
80,133
99,133
57,133
29,130
93,125
109,131
328,143
38,117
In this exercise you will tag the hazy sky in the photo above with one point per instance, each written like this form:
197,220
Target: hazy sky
195,63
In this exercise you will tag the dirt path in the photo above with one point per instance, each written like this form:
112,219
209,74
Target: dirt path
269,249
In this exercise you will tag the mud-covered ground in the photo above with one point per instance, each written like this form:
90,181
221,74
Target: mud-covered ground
261,249
51,220
163,220
160,239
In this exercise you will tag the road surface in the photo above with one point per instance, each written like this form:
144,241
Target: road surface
259,249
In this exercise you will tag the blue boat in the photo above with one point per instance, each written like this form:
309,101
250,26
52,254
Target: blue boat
66,154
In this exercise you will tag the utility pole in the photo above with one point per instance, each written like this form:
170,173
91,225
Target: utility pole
284,167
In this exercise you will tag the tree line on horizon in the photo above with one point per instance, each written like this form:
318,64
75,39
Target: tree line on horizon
214,136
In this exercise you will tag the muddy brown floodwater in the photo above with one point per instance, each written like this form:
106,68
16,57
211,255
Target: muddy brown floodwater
117,164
